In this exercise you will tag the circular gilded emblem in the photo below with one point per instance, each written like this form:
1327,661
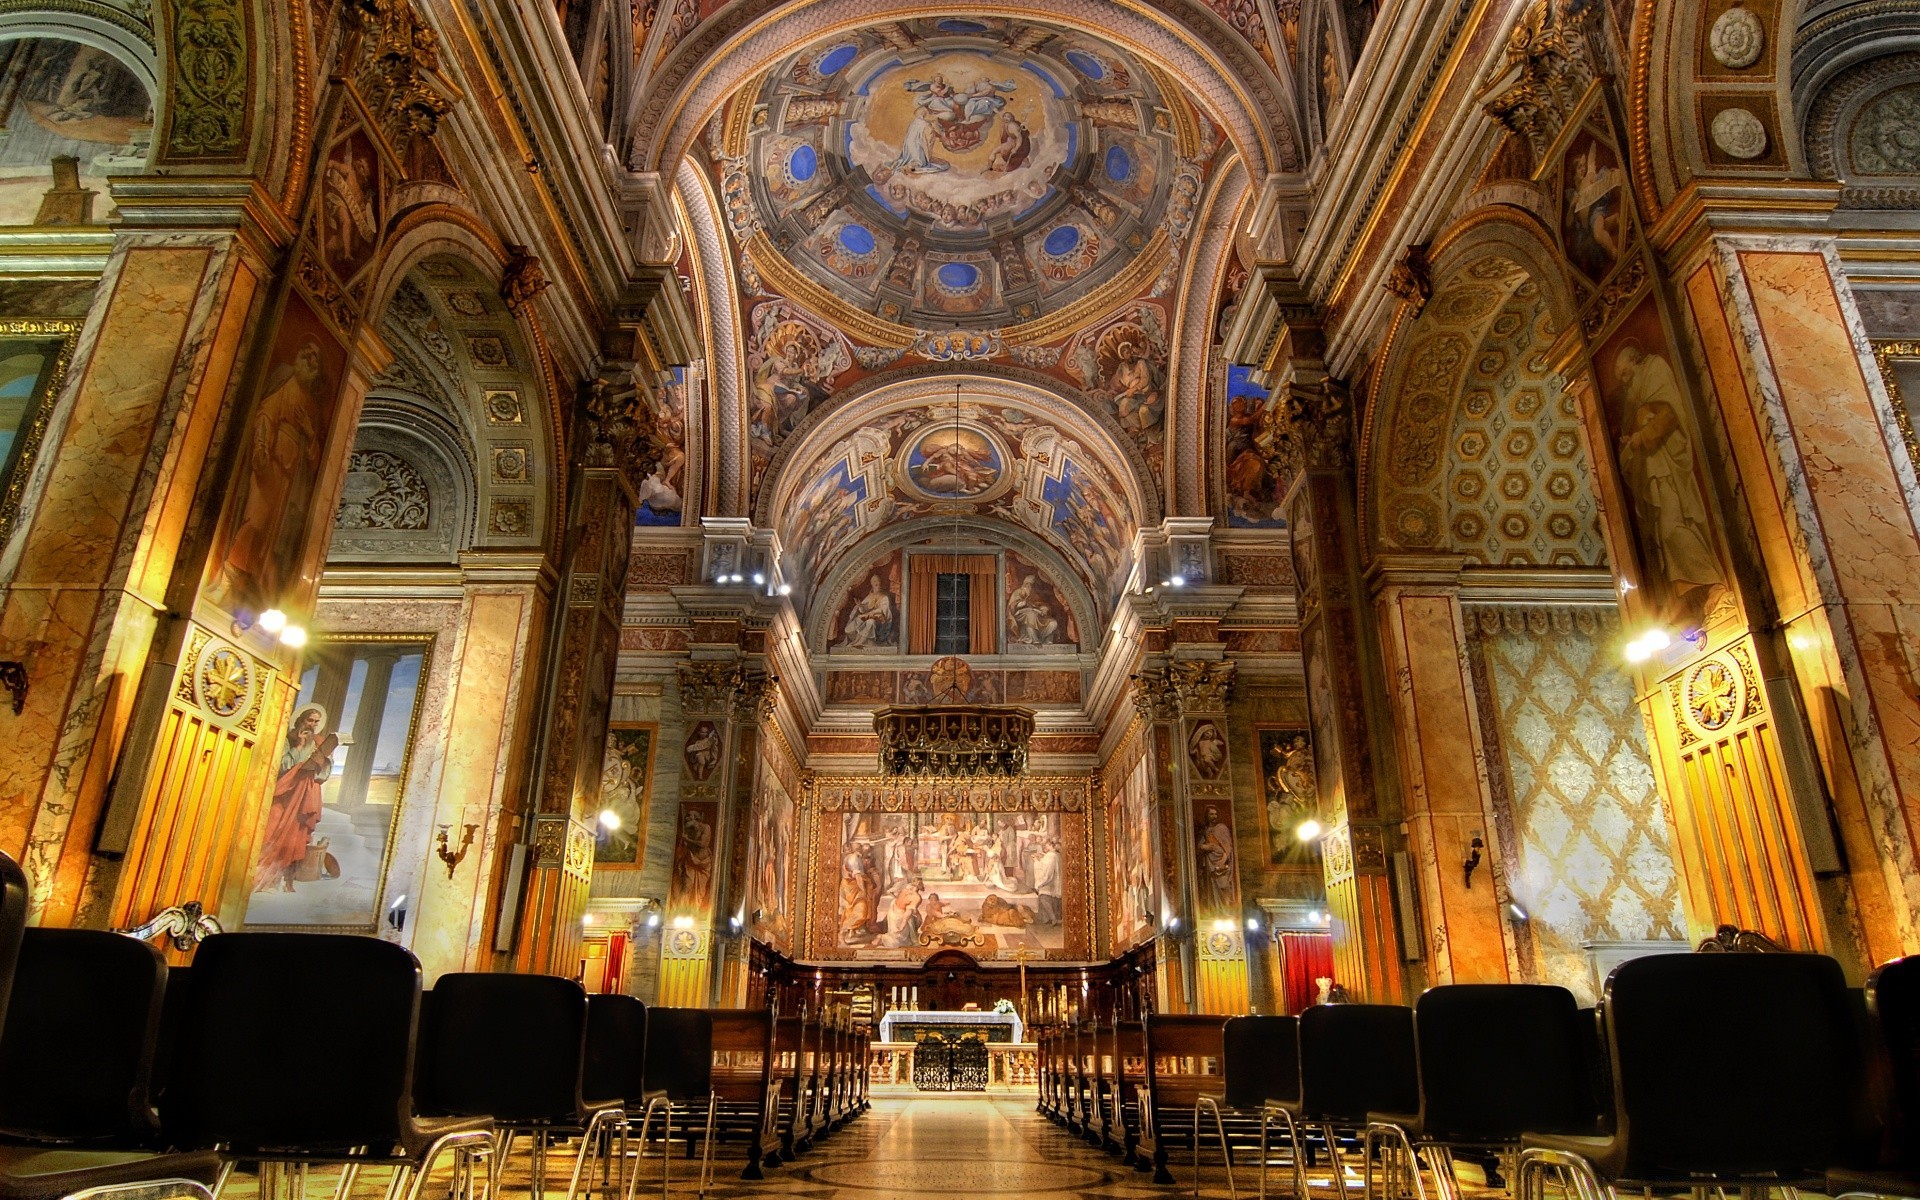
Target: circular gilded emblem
1737,38
1739,133
684,942
223,681
1713,694
1220,943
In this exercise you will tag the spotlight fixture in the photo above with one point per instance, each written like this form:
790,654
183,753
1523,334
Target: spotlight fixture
653,920
293,636
683,922
786,589
272,620
586,918
1177,581
759,578
1472,861
1519,914
1253,925
1223,926
609,820
1308,830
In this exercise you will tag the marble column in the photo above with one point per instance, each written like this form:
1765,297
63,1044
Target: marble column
1830,489
1446,799
1157,702
90,562
1313,440
724,700
614,433
1204,796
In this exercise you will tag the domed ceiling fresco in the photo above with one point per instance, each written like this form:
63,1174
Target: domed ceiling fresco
964,173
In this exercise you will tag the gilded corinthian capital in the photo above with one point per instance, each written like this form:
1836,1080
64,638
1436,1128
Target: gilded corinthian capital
1202,686
1154,695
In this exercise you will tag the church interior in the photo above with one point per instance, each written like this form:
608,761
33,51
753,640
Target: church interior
878,599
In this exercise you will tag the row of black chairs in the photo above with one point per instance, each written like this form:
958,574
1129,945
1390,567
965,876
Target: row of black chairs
295,1051
1695,1071
1712,1070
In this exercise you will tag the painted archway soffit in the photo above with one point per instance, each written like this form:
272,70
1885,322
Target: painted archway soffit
1006,457
1192,42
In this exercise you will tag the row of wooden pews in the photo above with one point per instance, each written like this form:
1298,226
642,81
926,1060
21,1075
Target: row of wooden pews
784,1082
1128,1086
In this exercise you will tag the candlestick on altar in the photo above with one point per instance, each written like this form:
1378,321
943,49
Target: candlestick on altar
1020,956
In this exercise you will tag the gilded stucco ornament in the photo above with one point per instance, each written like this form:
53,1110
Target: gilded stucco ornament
1739,134
211,78
1548,68
1737,38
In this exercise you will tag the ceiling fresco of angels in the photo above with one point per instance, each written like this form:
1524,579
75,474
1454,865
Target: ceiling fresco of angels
961,173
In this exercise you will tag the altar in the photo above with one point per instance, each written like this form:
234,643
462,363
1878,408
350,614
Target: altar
949,1051
903,1026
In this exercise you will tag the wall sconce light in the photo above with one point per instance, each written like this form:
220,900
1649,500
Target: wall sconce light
1473,859
453,857
13,677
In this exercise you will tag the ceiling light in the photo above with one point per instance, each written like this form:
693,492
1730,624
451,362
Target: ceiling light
759,578
786,589
1177,581
1656,639
1223,926
1253,925
653,920
683,922
1307,830
586,918
293,636
273,620
609,820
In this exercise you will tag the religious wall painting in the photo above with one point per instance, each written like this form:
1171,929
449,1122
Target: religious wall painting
1038,620
1593,205
351,204
773,859
869,619
961,139
659,500
701,754
793,364
1216,859
1123,365
1289,792
339,783
1207,749
1252,485
626,786
690,883
976,881
1658,452
72,117
1133,895
827,514
1084,516
33,363
954,461
263,539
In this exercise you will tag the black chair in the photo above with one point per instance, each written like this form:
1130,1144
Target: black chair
679,1075
1355,1060
49,1094
82,1024
1259,1063
1728,1070
1890,1165
1495,1061
616,1060
297,1050
513,1047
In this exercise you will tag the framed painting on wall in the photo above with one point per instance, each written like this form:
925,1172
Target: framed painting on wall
1900,369
339,783
626,786
33,362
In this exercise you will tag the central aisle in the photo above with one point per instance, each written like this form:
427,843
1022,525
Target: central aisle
949,1146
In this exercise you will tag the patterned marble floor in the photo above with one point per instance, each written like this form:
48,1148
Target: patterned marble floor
949,1147
909,1145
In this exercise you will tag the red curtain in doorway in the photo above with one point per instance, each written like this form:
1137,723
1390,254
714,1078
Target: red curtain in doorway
1304,958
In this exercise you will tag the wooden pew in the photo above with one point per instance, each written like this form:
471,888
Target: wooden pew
1101,1128
788,1087
1130,1086
1184,1062
742,1078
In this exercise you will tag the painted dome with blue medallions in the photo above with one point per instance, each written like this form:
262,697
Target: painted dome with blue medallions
970,172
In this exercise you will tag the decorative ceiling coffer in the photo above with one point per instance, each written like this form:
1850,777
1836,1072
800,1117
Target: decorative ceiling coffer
957,739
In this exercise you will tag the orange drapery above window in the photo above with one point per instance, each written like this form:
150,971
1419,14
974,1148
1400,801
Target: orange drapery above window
982,570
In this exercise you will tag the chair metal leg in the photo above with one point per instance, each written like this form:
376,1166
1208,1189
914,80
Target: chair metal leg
706,1156
592,1142
1226,1151
1267,1114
